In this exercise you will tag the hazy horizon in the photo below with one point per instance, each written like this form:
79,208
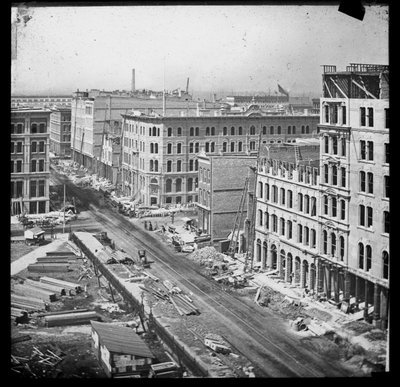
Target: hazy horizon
220,48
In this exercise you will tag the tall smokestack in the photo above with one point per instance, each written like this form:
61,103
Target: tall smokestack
133,81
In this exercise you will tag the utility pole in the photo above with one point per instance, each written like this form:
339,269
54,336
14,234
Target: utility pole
64,211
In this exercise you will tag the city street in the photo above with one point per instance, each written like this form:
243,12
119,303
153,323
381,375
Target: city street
262,337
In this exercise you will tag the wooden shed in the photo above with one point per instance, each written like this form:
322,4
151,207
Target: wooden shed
120,351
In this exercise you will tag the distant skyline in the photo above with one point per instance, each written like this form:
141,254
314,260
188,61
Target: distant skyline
220,48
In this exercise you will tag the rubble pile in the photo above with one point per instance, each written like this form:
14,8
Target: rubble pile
206,256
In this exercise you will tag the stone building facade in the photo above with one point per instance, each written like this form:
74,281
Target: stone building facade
159,154
30,170
60,131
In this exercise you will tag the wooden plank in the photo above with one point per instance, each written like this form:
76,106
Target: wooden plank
57,282
63,312
27,290
19,339
54,288
51,267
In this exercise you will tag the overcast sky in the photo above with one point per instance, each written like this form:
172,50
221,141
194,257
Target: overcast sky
231,48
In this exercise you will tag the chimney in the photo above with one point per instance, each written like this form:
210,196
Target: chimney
133,81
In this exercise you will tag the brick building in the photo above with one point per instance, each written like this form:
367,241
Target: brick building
221,183
30,172
60,131
286,222
355,221
40,101
159,154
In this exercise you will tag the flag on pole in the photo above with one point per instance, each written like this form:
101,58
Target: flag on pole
282,90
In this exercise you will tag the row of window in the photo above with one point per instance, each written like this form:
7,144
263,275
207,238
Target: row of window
204,197
210,131
365,259
331,210
305,174
305,235
331,145
36,147
36,188
332,171
193,165
18,128
335,113
36,166
205,175
366,215
333,241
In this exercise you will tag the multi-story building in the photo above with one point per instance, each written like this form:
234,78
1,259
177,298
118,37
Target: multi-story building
221,184
40,101
94,114
159,154
354,165
286,221
30,172
60,131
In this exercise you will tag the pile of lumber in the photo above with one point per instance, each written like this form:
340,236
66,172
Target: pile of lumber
41,267
182,305
57,289
29,290
19,315
70,286
28,303
70,318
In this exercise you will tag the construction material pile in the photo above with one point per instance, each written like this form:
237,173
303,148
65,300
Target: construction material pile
206,256
54,261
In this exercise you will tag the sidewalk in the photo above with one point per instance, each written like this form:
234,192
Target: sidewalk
23,262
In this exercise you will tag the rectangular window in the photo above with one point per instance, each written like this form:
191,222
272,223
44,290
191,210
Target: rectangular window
363,151
290,231
387,118
19,147
41,146
386,153
370,183
343,142
386,188
362,181
33,185
306,236
386,220
334,207
335,114
313,238
362,116
282,196
326,113
33,166
19,189
370,117
300,201
41,165
342,210
274,223
369,216
343,174
299,233
33,207
362,215
19,166
343,115
290,199
335,145
370,150
325,205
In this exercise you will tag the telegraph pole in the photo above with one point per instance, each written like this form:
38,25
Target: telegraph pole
64,212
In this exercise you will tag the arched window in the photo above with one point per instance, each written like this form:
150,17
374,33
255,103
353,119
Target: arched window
385,259
155,148
279,130
191,132
196,165
232,146
169,132
156,166
179,132
306,204
240,130
299,233
196,147
271,130
260,189
232,131
274,223
289,129
179,166
240,146
341,248
168,185
300,201
303,130
224,146
252,130
361,255
149,131
307,129
325,241
283,196
207,147
343,174
212,131
178,185
264,130
191,165
289,229
252,145
151,166
258,253
207,131
266,191
343,143
306,240
333,244
179,148
197,131
326,144
225,131
335,145
154,131
191,147
313,206
294,129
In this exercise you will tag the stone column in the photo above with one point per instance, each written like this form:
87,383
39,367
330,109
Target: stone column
302,274
357,292
263,257
328,281
287,273
384,310
366,300
320,277
336,283
346,293
377,306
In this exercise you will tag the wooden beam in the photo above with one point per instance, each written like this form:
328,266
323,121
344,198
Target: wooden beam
363,89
